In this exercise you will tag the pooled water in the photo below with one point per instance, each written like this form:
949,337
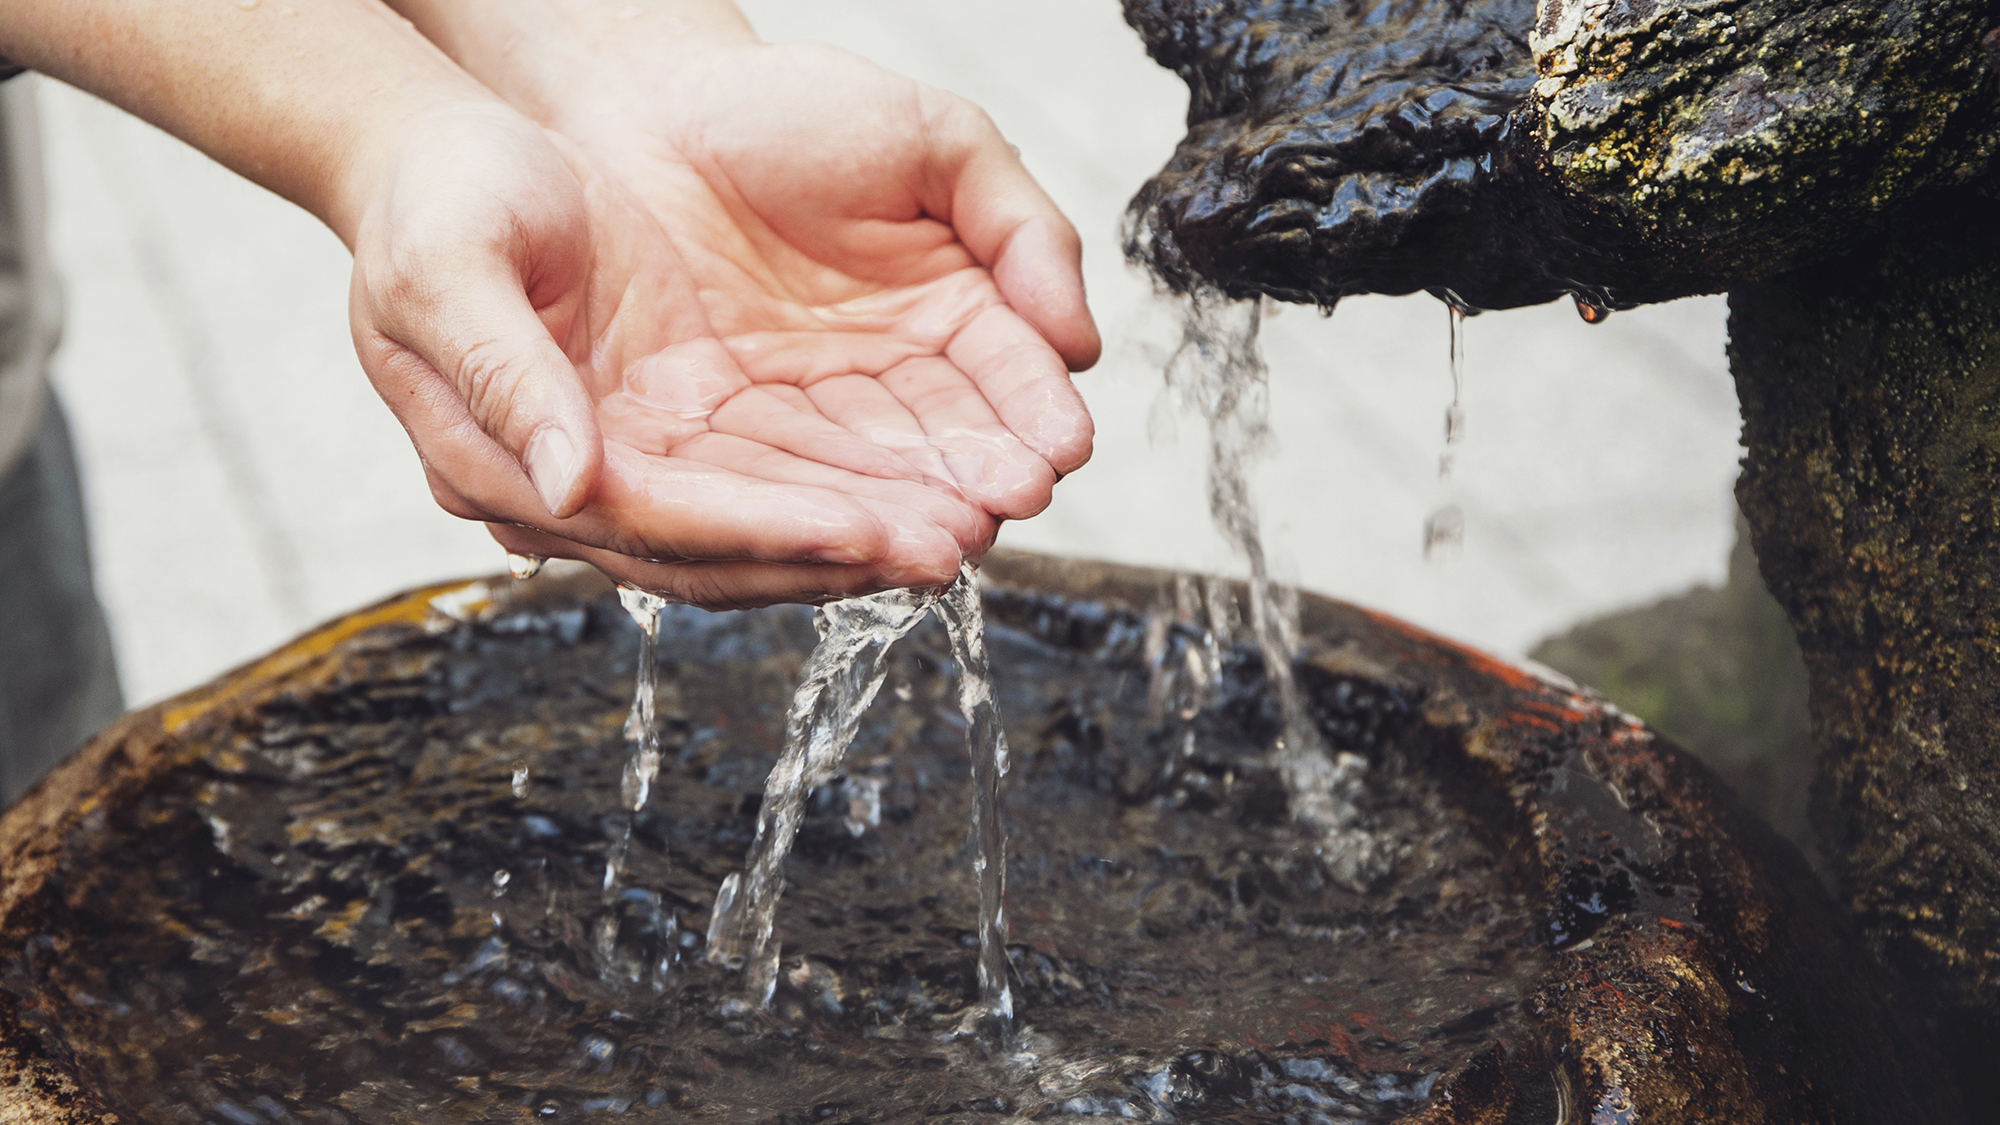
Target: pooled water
304,922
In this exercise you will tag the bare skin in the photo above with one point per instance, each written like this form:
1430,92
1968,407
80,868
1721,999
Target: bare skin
737,323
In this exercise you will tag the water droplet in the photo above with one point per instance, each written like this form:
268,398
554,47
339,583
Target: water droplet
1444,534
525,567
500,881
1591,314
1454,423
520,781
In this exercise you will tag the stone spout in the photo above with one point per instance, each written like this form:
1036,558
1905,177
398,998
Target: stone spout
1512,151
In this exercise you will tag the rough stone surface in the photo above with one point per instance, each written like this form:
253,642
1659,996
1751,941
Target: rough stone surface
1686,967
1718,671
1627,151
1871,404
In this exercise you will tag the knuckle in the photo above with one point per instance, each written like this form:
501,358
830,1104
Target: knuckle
484,375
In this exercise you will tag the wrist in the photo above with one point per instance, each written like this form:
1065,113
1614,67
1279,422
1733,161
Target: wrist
567,63
419,122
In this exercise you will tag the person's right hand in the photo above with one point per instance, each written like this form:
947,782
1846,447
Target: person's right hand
514,307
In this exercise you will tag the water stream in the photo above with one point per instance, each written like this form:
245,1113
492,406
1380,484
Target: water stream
1444,528
641,730
1219,368
965,624
840,680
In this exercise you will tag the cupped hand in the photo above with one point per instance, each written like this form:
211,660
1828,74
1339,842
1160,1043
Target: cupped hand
550,352
868,253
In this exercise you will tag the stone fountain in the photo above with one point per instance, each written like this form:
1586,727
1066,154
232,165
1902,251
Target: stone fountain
358,883
1828,163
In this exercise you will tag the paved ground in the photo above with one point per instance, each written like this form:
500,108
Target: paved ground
245,483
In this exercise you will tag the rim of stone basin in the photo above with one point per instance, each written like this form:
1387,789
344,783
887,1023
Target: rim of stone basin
1697,972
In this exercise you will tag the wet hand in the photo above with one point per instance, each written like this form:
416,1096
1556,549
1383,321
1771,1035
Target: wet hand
869,252
550,350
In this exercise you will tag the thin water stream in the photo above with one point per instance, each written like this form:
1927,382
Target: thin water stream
840,681
641,730
1220,369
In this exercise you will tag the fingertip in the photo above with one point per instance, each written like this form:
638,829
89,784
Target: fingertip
562,467
922,553
1063,433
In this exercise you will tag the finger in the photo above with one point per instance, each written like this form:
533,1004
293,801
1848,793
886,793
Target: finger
471,327
650,507
1027,386
967,523
1012,227
989,463
727,585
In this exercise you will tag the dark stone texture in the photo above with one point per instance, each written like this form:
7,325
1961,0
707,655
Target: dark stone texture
1627,151
273,899
1718,671
1871,408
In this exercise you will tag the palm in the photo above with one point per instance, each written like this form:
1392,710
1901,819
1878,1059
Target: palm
865,336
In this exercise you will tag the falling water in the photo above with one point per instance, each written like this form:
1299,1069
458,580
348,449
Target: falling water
987,743
840,680
641,731
1219,368
1444,528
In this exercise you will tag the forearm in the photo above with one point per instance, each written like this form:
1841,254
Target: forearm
563,60
298,95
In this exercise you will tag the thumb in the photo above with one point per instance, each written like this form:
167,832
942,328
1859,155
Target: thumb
478,332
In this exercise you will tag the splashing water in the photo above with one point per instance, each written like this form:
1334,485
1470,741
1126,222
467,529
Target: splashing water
636,785
1220,369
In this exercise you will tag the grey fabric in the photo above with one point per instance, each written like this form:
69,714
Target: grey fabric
58,682
30,300
58,678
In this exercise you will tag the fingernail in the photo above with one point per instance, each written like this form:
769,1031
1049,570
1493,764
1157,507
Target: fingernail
552,466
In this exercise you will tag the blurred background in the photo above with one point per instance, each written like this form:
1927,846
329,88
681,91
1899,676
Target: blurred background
245,483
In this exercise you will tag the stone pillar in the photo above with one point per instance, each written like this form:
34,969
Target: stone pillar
1870,388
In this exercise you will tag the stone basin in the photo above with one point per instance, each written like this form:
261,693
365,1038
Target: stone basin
321,889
